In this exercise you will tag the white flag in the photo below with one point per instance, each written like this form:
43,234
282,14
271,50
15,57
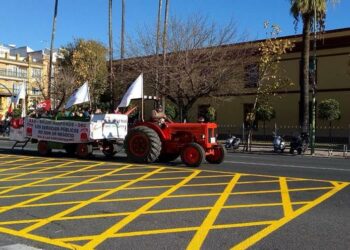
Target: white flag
135,91
21,93
80,96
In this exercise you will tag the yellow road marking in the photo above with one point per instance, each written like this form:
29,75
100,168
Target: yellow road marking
45,194
268,230
287,206
37,238
39,181
12,161
115,228
175,210
167,231
85,203
285,202
173,196
34,172
25,165
259,175
209,221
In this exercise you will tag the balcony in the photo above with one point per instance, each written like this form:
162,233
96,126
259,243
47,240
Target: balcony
13,73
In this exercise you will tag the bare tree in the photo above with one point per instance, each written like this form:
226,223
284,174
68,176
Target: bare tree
198,63
63,86
270,76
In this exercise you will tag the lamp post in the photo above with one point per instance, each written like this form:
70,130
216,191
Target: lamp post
314,76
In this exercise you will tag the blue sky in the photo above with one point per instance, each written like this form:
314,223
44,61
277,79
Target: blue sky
29,22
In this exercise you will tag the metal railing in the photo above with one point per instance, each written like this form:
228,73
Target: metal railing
324,134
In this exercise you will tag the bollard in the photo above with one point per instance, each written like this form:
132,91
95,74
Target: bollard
330,152
345,152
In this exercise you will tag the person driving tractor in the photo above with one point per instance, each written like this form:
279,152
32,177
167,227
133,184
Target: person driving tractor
159,116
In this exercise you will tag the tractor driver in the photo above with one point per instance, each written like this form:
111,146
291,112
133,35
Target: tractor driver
159,116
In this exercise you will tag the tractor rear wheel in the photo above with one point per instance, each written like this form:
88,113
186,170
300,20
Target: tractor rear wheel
44,148
192,155
84,150
166,157
142,145
218,156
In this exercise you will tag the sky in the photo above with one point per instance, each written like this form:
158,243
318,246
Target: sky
29,22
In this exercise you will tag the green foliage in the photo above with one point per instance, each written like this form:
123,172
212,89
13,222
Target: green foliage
211,114
17,112
329,110
170,111
271,76
303,9
265,113
87,59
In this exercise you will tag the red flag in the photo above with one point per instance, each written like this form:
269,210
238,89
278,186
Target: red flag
10,108
45,105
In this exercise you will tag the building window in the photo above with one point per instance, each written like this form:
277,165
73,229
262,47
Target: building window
36,73
16,87
203,110
36,91
251,76
207,112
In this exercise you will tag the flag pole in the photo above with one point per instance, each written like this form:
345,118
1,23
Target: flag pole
142,101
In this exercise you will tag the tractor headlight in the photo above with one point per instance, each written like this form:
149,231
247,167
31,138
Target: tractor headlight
203,136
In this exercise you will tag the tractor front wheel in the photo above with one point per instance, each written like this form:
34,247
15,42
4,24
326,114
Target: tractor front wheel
142,145
218,156
44,148
192,155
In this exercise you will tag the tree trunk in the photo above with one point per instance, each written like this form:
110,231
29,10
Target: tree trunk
304,86
51,49
165,32
122,41
158,45
264,130
110,50
330,132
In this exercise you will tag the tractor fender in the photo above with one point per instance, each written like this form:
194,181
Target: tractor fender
163,134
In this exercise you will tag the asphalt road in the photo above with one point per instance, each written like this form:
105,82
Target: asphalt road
277,202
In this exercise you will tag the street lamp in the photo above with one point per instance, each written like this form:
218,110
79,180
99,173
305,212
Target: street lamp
314,75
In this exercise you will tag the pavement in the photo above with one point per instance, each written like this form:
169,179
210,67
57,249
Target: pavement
252,200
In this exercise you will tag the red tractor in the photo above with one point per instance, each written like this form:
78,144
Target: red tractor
148,142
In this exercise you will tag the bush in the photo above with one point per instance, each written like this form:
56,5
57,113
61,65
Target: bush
170,111
329,110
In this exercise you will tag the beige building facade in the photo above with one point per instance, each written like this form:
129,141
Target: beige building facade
333,81
22,65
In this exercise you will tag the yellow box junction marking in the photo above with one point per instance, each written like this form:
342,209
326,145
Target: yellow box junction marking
147,173
203,230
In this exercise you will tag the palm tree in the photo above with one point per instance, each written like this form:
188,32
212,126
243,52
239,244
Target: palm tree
165,32
51,50
305,10
110,50
158,44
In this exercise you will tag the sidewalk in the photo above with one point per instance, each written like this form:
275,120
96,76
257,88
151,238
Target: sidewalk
319,152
